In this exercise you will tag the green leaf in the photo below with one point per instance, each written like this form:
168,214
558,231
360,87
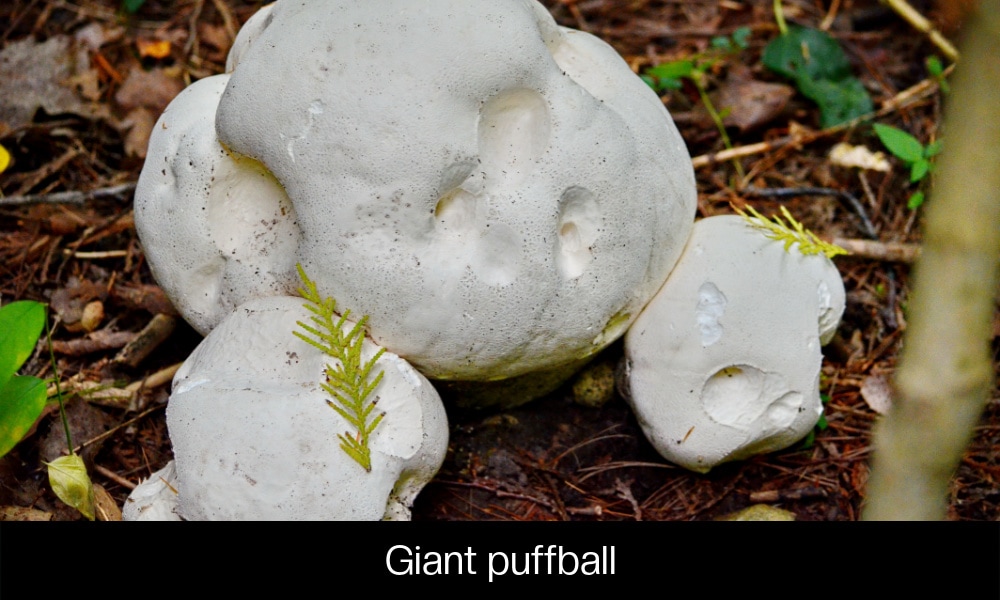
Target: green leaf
838,101
21,325
22,400
667,76
915,201
822,423
131,6
919,169
936,70
934,66
821,71
805,52
903,145
721,42
932,149
742,37
69,480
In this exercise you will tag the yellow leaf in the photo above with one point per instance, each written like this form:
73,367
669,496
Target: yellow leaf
153,48
69,480
4,159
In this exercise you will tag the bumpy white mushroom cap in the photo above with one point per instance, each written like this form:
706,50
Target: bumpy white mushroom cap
724,362
254,438
500,194
217,229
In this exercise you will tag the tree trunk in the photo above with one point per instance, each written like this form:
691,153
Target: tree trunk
945,373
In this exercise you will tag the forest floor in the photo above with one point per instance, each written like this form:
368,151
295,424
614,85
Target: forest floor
81,83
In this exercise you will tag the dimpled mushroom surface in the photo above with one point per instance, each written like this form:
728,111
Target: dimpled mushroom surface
724,362
500,194
254,437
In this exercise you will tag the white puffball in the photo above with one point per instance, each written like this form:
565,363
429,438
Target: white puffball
254,437
724,362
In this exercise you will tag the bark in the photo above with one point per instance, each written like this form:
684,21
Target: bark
945,372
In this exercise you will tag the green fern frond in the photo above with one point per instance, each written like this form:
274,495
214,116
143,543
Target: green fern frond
351,381
791,233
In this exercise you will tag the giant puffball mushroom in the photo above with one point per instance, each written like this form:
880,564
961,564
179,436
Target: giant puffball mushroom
217,228
501,195
254,438
724,362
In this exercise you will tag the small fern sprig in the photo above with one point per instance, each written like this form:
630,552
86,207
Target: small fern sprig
350,383
792,233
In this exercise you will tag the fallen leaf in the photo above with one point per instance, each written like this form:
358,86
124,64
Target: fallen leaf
70,482
877,392
153,48
38,76
105,506
748,103
140,122
23,513
152,89
4,159
846,155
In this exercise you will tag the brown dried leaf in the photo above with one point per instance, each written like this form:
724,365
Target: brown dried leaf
877,392
140,122
152,89
747,103
105,506
39,75
23,513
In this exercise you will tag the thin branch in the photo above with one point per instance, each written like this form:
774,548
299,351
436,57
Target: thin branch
70,197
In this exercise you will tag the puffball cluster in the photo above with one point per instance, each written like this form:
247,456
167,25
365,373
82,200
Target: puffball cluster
500,195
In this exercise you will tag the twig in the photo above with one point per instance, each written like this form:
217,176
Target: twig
125,483
884,251
621,464
800,493
161,377
921,24
70,197
147,340
96,255
120,426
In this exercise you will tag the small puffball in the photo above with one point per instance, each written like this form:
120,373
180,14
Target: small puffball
254,437
724,362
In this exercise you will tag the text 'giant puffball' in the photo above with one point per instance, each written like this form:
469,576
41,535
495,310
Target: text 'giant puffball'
724,362
499,194
254,438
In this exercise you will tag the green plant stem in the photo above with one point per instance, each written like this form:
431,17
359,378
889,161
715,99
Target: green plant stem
717,119
779,16
62,407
